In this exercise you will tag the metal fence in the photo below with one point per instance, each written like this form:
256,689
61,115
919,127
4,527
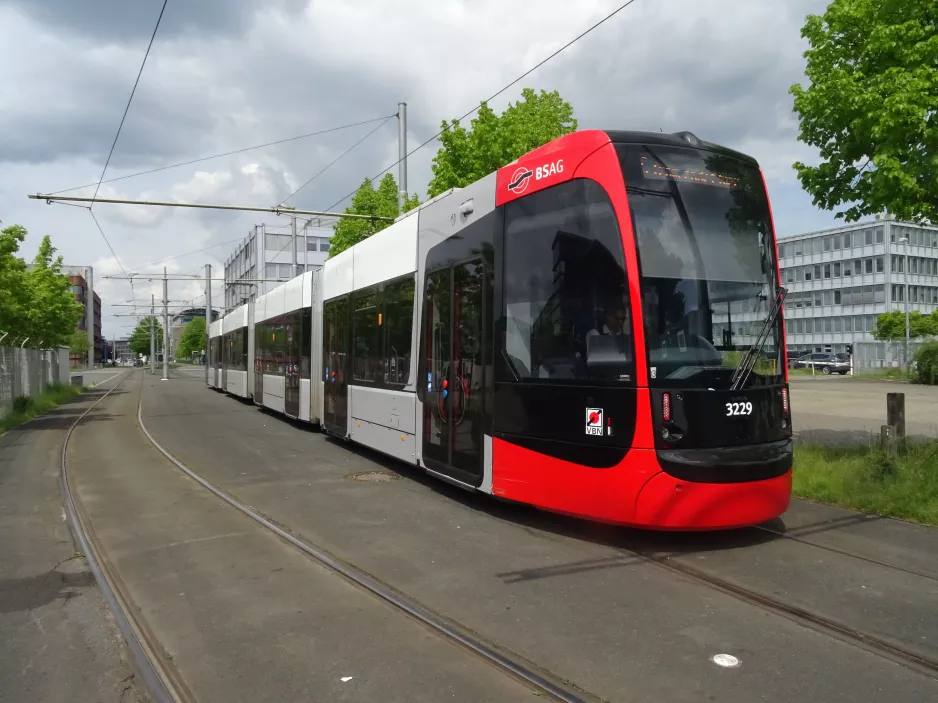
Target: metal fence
881,355
28,372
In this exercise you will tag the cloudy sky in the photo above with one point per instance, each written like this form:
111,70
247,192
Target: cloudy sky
227,74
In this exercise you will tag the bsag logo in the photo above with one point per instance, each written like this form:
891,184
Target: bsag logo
522,175
594,421
520,179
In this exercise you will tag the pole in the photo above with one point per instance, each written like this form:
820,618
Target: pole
906,304
293,229
165,327
152,334
89,313
208,319
402,154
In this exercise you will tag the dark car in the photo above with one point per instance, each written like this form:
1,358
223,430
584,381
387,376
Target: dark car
825,362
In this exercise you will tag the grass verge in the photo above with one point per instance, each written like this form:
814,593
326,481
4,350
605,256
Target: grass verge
25,408
903,486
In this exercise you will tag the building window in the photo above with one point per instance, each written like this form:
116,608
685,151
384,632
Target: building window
799,274
879,264
827,297
836,242
868,236
837,297
817,299
838,324
807,273
798,248
827,243
869,265
781,251
836,269
879,293
808,325
827,270
847,268
311,243
790,275
324,244
828,325
270,271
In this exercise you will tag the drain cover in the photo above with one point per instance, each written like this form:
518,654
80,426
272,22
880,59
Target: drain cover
373,476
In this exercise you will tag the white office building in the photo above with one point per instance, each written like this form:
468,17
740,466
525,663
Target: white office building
267,254
839,280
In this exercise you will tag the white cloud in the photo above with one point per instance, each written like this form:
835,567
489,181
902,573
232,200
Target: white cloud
250,71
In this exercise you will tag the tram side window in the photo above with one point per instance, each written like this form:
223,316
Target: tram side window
566,310
366,338
398,325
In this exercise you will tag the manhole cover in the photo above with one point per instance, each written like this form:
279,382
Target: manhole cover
374,476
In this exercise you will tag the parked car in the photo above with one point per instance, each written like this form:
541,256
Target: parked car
825,362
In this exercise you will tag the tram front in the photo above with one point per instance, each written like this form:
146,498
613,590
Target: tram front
711,305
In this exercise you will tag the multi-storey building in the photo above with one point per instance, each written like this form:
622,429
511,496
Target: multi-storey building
80,278
267,254
839,280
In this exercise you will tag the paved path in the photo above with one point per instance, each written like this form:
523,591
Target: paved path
849,410
239,614
57,638
564,593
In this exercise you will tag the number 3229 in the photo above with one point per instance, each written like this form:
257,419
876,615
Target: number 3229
739,408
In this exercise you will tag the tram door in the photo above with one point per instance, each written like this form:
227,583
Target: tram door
225,360
452,348
291,383
334,355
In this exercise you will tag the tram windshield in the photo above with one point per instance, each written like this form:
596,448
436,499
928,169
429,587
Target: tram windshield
707,256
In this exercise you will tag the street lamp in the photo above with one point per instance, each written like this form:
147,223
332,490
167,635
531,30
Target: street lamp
905,241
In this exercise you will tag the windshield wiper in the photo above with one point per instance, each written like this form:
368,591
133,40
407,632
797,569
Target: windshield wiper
748,362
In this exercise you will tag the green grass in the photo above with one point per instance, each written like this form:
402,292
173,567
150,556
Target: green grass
903,486
25,408
886,374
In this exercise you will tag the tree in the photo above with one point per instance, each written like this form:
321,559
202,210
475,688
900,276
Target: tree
382,202
78,342
140,337
193,338
495,140
891,325
53,311
872,108
14,301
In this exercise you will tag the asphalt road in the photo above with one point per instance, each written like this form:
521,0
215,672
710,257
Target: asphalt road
567,595
58,641
239,614
848,410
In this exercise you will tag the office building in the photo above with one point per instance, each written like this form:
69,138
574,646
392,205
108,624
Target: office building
267,254
81,280
839,280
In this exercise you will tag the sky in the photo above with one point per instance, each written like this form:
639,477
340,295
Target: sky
227,74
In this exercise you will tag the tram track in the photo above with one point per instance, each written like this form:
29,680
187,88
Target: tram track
894,651
159,677
542,683
847,553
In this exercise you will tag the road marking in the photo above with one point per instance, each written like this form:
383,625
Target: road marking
725,660
196,539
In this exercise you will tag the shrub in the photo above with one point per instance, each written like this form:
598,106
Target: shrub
925,368
22,404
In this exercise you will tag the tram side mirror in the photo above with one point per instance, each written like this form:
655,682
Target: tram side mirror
608,356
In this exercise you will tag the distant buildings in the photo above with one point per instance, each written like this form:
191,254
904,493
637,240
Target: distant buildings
81,279
840,280
179,321
267,253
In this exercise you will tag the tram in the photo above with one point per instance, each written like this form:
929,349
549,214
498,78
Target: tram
595,329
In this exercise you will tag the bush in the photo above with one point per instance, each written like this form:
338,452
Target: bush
925,369
22,404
